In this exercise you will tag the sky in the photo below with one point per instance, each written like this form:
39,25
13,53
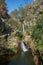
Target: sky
15,4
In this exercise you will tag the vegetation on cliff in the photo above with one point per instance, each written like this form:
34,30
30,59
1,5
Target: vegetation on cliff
26,21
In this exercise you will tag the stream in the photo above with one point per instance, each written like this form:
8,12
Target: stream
23,58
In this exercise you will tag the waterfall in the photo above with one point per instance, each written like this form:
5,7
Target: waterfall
23,47
23,28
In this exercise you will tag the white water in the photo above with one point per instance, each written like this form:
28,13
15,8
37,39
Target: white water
23,47
23,28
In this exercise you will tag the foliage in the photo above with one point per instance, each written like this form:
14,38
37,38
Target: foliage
37,33
3,16
15,13
15,49
15,24
22,12
3,10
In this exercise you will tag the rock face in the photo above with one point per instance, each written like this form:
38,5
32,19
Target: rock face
36,60
35,11
30,43
12,42
8,47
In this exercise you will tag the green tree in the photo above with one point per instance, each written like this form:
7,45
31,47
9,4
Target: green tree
15,13
37,33
3,15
